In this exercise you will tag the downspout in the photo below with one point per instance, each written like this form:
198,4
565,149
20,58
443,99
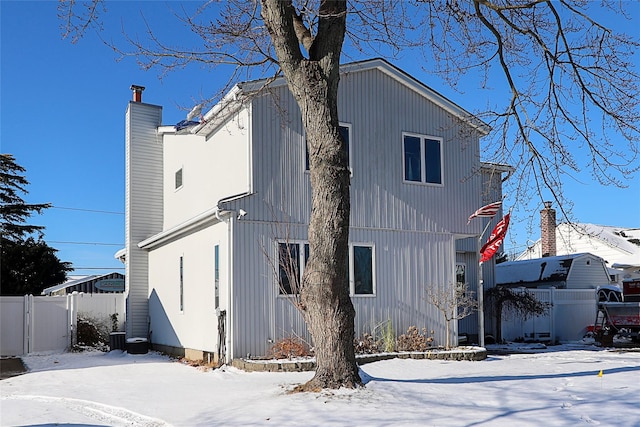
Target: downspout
230,310
229,317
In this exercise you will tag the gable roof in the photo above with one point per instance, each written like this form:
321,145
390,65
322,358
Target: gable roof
79,280
539,270
597,239
234,99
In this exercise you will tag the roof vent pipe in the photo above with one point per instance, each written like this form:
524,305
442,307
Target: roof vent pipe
137,93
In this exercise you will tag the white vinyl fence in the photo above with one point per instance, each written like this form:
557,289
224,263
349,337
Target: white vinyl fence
571,313
33,324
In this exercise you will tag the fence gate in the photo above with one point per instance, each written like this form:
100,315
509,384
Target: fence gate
33,324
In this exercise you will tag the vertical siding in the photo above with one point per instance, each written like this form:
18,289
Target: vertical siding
413,227
143,207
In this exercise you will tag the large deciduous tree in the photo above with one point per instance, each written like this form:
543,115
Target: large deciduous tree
559,64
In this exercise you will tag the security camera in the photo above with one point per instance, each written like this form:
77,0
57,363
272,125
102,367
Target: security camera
241,213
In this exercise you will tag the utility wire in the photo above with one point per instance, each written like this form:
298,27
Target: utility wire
86,243
88,210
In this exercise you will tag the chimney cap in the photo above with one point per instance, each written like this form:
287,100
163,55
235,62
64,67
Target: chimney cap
137,88
547,205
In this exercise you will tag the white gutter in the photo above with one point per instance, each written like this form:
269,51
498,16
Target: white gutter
209,215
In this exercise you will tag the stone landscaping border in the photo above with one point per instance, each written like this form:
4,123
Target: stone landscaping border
302,365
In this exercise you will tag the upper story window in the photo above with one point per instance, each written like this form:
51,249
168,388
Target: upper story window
422,158
178,178
345,131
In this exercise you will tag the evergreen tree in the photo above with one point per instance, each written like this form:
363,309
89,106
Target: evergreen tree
28,264
13,210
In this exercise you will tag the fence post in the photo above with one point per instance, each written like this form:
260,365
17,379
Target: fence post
27,322
72,308
552,317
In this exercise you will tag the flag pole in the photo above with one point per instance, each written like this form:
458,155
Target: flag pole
481,289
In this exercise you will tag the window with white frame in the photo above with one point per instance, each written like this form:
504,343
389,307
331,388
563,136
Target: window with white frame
178,179
292,258
345,131
461,276
216,276
361,278
291,266
422,158
181,283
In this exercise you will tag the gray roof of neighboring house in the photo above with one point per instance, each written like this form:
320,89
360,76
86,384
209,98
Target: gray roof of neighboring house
76,280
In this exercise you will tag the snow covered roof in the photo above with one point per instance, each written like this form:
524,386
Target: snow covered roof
618,246
547,269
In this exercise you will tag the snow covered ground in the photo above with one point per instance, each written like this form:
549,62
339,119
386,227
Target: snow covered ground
558,386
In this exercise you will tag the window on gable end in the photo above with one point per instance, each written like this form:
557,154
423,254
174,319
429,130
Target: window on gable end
422,157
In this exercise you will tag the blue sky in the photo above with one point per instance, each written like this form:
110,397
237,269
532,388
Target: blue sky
62,117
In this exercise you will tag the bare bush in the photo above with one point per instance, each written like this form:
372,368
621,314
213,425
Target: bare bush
413,340
288,348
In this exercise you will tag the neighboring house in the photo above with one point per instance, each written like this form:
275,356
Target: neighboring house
575,271
559,276
618,246
210,207
93,284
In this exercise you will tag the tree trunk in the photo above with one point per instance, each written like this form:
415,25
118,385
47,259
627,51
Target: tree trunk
325,299
324,294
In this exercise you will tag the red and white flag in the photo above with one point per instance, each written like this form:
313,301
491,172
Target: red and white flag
489,210
495,239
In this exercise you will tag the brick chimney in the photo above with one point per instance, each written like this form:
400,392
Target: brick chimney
548,230
137,93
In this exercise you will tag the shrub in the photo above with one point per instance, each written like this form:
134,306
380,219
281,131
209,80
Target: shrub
413,340
367,344
289,347
92,333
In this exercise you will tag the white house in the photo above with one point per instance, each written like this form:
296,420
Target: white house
210,206
618,246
